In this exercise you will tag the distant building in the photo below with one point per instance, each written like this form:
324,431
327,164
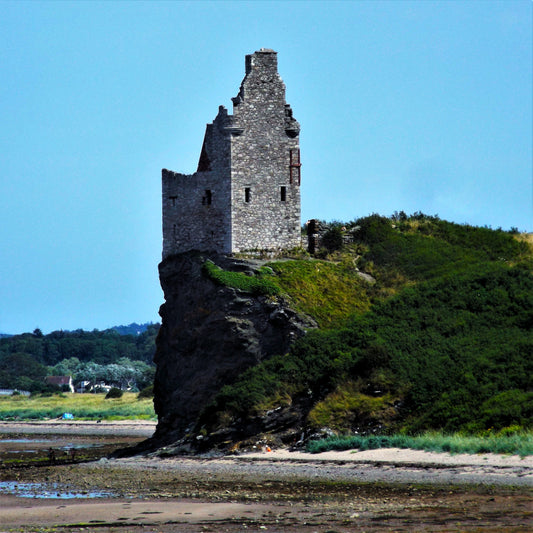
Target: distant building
245,194
11,392
63,382
84,386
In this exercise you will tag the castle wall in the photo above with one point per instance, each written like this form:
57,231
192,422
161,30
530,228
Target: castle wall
196,213
197,207
245,194
262,196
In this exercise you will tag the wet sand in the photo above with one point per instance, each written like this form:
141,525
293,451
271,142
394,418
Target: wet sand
126,428
378,490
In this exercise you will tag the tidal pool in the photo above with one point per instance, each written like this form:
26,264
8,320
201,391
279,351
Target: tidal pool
59,448
20,452
42,490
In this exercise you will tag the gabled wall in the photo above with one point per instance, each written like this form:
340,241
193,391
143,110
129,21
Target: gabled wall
261,159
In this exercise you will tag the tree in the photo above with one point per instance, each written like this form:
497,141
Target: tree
20,370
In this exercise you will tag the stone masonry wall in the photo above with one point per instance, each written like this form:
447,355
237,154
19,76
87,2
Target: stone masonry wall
195,214
197,207
262,195
245,194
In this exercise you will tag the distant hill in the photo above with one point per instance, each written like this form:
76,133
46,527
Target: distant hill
130,329
133,328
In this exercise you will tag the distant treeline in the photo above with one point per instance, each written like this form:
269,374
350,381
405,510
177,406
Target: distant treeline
26,359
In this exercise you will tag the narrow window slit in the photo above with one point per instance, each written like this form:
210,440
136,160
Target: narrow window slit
294,166
206,199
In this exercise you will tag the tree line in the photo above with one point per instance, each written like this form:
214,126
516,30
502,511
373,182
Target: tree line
122,360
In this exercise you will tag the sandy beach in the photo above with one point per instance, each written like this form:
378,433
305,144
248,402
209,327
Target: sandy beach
375,490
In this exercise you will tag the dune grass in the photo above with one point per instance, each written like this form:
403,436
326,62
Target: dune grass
82,406
504,442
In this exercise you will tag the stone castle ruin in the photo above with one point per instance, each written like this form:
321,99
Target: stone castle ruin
245,194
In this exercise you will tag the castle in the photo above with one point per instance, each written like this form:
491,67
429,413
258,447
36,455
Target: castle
245,194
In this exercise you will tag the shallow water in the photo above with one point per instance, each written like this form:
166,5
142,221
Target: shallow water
18,452
28,445
41,490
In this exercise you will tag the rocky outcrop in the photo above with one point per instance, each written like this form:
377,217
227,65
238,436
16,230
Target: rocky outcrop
209,335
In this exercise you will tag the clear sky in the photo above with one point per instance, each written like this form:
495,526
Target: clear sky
414,106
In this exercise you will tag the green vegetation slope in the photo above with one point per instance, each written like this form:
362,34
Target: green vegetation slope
424,324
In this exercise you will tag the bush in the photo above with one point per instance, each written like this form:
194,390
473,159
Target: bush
332,240
147,392
374,229
114,392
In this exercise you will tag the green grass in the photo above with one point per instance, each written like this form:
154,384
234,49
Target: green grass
348,407
82,406
504,442
328,291
238,280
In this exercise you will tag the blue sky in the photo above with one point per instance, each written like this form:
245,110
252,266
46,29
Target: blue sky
403,106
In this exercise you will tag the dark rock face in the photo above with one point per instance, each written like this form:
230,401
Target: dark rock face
209,335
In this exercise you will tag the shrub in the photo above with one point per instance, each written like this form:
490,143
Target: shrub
332,240
374,228
346,408
147,392
114,392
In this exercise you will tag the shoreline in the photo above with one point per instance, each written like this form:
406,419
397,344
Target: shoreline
280,490
123,428
381,456
387,465
399,456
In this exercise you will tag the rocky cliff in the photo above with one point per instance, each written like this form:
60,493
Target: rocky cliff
209,335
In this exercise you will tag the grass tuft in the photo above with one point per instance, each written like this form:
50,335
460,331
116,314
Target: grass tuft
519,443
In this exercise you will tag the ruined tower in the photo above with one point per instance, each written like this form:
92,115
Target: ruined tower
245,194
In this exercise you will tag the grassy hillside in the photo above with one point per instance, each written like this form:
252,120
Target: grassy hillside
441,340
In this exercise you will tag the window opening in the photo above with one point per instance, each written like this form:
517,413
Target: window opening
247,194
206,199
283,192
173,200
294,166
